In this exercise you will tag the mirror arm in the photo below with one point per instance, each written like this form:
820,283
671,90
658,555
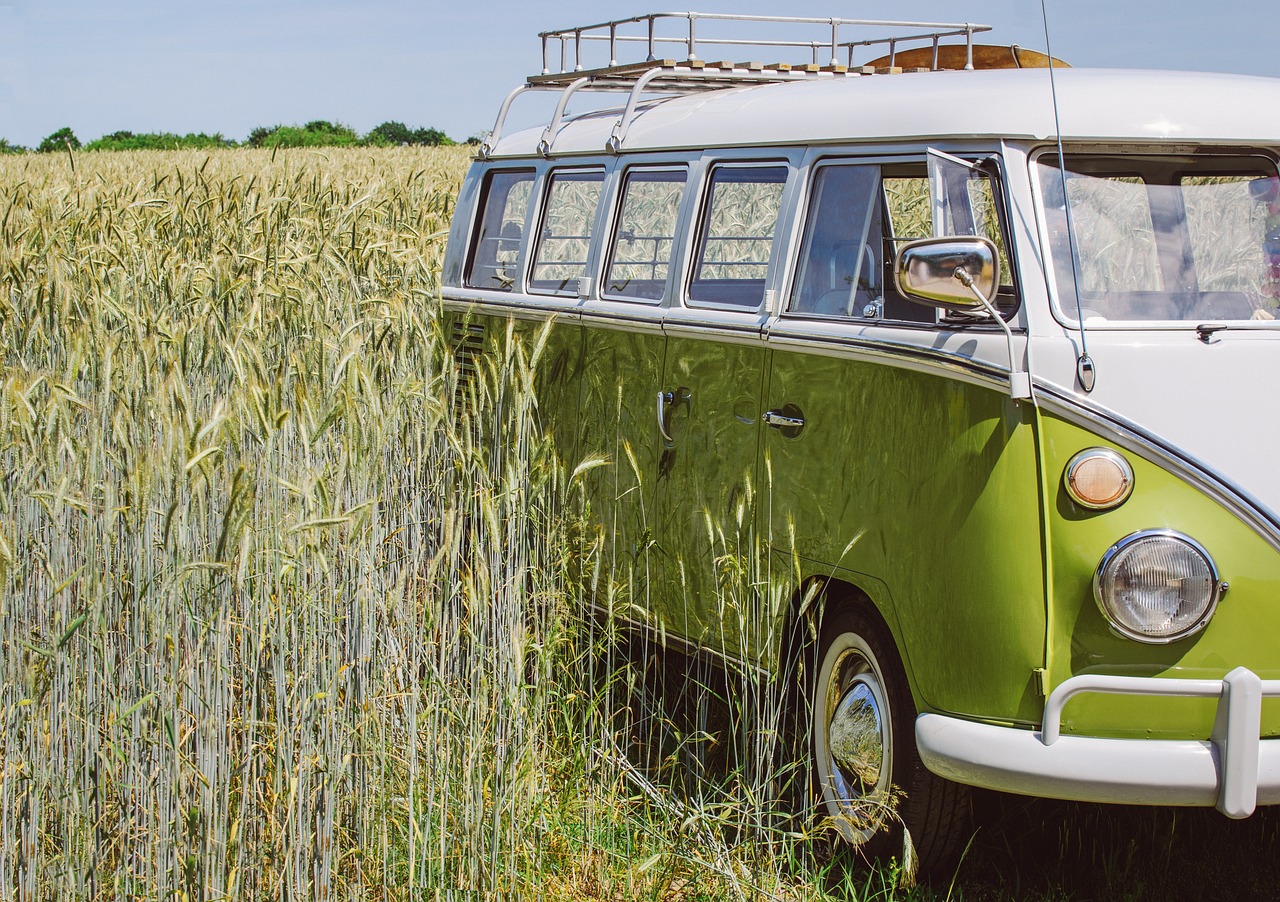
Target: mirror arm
1019,380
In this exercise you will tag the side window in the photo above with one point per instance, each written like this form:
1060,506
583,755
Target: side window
861,213
565,237
1163,238
736,235
840,269
643,239
1224,222
857,215
964,203
495,247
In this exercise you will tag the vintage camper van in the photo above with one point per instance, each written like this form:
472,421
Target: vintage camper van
982,352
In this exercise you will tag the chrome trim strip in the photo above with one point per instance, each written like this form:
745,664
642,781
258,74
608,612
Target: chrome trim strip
901,354
1132,437
650,318
643,325
512,302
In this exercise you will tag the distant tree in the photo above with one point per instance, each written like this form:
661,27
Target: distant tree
390,133
397,133
317,133
260,135
324,127
432,137
59,140
6,147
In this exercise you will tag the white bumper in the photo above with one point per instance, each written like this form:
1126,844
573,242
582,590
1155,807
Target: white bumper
1234,770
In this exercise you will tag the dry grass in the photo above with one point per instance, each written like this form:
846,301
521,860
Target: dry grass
279,620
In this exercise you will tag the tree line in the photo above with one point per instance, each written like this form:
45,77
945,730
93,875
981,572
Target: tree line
317,133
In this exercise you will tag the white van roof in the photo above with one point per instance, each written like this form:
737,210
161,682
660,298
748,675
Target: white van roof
1109,105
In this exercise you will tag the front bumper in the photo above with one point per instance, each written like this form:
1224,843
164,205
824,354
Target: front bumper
1234,770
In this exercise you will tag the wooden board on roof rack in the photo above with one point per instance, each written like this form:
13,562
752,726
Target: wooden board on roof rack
954,56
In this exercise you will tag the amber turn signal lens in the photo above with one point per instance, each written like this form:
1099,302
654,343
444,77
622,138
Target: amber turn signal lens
1099,479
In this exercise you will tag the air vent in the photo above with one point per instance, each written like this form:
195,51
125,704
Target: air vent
467,340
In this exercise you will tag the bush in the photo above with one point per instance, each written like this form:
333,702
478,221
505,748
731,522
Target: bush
59,140
126,140
317,133
6,147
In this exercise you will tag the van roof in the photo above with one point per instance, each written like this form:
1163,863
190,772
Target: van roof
1110,105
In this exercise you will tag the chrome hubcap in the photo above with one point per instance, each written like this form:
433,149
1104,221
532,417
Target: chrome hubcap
856,743
853,743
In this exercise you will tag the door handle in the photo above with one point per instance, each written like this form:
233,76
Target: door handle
786,419
670,398
664,398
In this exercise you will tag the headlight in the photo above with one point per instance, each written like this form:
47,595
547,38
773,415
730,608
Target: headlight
1157,586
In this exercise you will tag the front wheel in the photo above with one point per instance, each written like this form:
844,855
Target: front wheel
868,780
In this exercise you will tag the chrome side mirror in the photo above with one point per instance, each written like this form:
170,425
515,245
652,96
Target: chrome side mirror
951,273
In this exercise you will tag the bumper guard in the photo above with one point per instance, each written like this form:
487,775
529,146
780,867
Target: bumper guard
1234,770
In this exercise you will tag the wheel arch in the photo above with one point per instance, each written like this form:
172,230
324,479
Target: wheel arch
800,629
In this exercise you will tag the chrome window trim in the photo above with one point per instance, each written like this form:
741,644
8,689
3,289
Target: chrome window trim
1132,437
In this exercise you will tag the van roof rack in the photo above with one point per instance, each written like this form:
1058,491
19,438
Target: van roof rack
816,48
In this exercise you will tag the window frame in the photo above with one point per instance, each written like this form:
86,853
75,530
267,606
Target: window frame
619,205
544,207
699,223
890,161
1063,308
476,236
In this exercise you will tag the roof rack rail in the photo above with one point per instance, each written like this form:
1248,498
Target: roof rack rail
817,48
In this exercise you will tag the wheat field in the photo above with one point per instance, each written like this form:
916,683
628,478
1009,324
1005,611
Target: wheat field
281,619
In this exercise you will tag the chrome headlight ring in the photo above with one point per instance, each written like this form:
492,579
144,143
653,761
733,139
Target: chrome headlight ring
1157,586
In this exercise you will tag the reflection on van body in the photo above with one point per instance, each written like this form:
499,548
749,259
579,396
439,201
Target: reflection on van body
1070,594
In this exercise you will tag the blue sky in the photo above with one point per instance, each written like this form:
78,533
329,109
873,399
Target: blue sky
230,65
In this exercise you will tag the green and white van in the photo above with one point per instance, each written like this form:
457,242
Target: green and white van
983,356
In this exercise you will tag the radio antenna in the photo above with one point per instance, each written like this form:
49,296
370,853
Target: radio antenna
1086,372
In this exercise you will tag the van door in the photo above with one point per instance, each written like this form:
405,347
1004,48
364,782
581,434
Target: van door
896,460
708,410
623,363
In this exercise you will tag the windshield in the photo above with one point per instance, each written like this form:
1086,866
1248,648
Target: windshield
1164,238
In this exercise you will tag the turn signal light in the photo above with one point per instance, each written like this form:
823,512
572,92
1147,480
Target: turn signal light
1099,479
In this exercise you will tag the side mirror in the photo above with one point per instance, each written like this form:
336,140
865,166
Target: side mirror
948,272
